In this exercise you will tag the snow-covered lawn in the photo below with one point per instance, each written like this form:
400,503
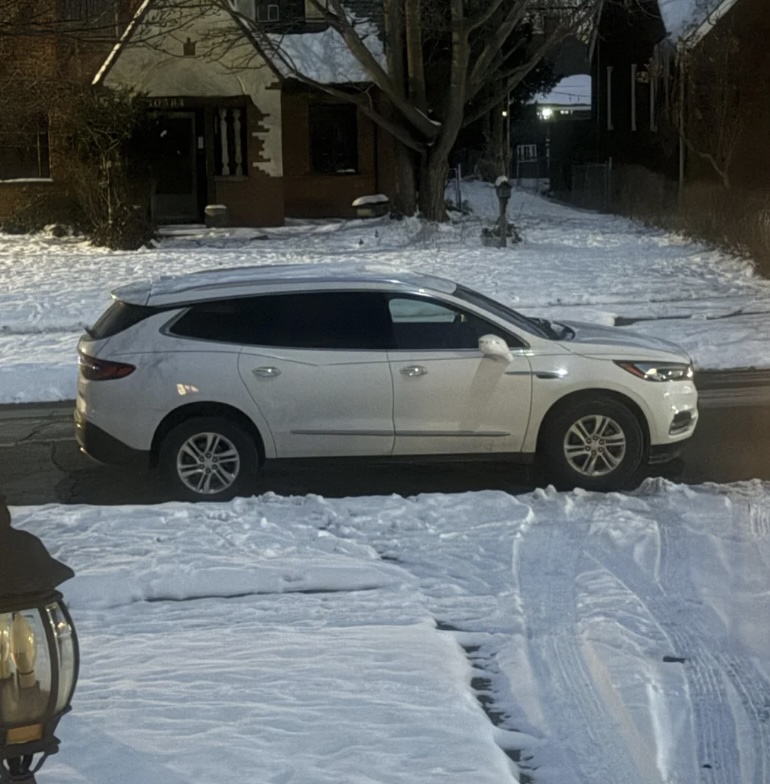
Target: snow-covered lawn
572,264
618,638
621,639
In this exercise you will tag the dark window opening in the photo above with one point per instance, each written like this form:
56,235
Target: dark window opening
119,317
334,138
329,320
24,151
90,14
272,12
230,142
267,11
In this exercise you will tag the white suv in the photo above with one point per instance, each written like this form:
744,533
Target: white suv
208,375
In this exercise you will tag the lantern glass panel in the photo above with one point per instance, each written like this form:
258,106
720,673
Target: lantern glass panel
65,644
25,668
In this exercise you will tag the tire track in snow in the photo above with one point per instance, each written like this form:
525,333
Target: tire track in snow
711,667
600,750
725,754
759,521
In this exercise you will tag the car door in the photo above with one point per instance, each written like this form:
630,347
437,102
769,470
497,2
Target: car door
317,368
448,397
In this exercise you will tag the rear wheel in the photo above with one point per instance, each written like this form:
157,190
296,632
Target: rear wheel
209,459
594,444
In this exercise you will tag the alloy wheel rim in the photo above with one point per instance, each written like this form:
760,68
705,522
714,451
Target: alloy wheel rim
208,463
595,445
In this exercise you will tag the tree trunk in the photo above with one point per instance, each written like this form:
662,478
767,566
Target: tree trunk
434,171
406,186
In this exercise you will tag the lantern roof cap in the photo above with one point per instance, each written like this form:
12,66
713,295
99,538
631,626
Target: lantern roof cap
26,567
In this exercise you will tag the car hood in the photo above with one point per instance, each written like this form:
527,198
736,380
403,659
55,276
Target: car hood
594,339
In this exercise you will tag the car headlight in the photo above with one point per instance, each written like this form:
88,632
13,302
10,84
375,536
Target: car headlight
658,371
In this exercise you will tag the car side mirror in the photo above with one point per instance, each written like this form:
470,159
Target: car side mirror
494,347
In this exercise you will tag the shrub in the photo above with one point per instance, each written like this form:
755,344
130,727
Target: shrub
106,135
37,210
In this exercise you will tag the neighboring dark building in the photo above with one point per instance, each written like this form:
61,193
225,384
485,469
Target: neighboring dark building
684,104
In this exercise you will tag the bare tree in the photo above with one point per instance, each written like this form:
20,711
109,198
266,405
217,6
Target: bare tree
436,66
446,63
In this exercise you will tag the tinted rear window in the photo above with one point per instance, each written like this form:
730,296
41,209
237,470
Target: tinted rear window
335,320
119,317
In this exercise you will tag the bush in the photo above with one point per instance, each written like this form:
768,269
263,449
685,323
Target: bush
735,220
106,135
37,210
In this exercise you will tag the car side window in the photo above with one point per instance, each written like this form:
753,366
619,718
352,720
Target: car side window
328,320
420,323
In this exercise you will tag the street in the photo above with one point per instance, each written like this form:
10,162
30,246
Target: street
40,462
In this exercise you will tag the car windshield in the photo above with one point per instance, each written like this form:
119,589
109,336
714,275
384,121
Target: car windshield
539,327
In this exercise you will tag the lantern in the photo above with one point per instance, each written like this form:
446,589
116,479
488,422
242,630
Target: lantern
38,652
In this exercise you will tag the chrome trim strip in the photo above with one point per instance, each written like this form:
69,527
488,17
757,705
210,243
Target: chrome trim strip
518,373
549,374
409,433
451,433
386,433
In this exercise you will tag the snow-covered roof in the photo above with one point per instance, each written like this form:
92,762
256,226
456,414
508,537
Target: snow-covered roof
690,20
570,91
324,56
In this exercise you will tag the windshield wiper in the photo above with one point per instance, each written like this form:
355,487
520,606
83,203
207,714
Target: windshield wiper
547,327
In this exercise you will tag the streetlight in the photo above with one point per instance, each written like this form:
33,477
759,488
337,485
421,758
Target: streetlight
38,652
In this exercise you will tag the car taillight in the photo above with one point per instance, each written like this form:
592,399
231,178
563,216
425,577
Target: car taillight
103,369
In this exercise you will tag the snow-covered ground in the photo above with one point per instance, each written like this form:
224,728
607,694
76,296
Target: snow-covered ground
301,640
615,638
572,264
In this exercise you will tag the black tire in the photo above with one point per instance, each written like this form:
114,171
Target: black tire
594,444
208,459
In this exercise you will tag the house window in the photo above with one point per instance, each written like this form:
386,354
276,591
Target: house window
526,153
24,152
230,140
84,10
334,138
268,11
609,98
275,14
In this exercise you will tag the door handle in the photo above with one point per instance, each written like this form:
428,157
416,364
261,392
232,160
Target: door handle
266,372
413,371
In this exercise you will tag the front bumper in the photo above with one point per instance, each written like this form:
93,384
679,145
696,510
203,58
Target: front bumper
104,448
664,453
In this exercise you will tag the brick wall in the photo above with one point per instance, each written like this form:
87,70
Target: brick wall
314,195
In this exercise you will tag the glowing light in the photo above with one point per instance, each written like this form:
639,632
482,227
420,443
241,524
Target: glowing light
23,650
546,113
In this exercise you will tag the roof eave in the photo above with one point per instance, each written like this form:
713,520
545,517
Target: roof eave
694,36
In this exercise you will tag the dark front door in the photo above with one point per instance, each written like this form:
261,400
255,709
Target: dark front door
176,178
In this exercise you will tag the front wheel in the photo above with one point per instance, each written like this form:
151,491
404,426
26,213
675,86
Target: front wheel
596,445
208,459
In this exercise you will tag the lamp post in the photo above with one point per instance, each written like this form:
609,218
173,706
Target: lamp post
38,652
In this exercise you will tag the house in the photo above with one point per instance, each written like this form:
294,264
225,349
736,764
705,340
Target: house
680,97
237,129
46,49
